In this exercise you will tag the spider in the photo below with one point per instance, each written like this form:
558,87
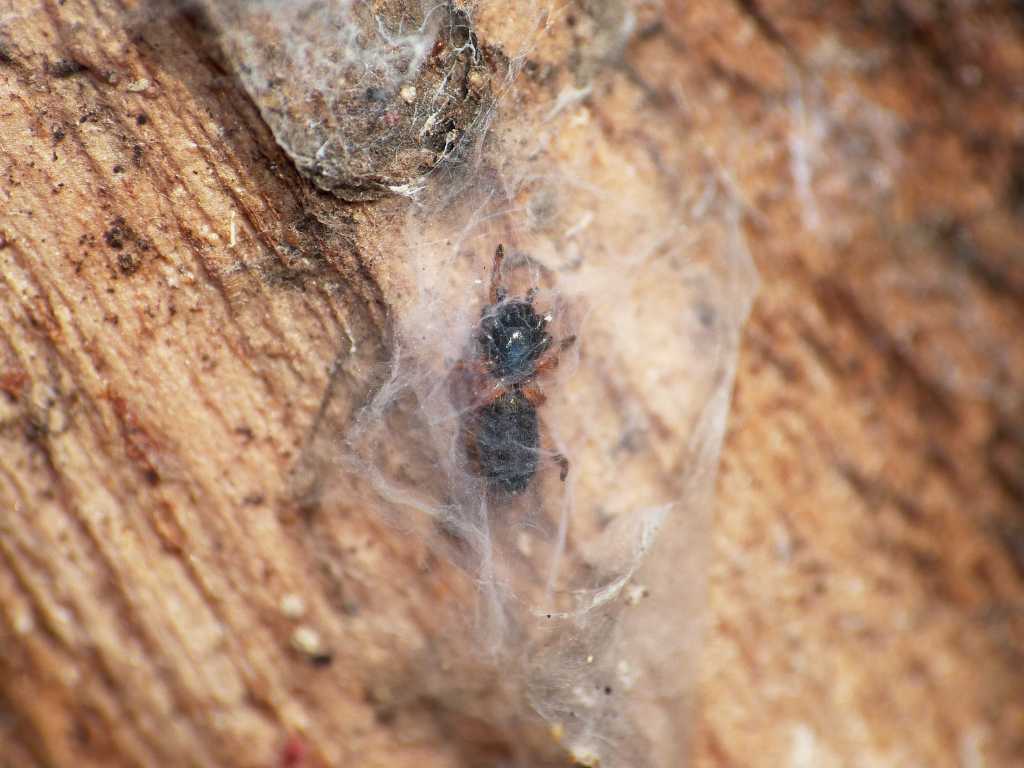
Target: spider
501,426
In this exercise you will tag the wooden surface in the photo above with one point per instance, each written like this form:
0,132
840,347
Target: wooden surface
174,296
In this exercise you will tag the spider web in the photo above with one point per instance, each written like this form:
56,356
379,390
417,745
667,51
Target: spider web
587,593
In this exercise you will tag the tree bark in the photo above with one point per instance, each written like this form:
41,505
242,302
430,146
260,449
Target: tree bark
175,296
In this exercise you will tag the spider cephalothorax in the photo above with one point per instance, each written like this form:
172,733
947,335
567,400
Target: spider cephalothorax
513,337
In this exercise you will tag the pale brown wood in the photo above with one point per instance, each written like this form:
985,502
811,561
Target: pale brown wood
177,303
867,589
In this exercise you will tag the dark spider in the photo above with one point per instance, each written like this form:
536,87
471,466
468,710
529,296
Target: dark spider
500,392
512,336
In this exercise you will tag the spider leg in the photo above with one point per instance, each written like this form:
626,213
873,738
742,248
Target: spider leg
564,464
546,271
550,359
470,385
531,391
469,367
547,363
534,394
490,395
497,293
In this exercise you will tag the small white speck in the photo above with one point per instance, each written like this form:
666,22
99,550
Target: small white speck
293,606
306,640
803,746
635,593
586,757
408,93
138,86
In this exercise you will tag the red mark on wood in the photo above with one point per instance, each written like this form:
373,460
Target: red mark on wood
13,383
294,753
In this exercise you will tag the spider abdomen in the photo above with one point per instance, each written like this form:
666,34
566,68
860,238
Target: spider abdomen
507,436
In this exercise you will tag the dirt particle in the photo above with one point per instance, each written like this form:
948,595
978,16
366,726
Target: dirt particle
35,430
120,234
636,593
63,68
141,119
118,168
306,641
114,237
58,136
324,659
128,263
476,79
584,757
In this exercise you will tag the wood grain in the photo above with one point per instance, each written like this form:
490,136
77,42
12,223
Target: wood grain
174,298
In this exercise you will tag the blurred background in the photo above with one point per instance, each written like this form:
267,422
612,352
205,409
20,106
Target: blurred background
868,586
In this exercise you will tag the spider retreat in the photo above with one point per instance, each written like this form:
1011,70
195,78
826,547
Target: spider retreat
498,388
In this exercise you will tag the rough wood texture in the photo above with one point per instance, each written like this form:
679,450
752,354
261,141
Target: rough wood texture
172,303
